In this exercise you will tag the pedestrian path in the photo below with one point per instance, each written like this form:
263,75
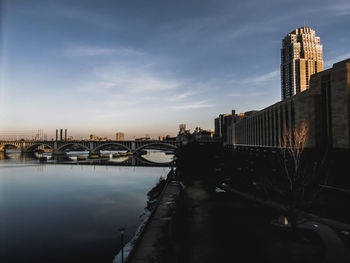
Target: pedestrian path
336,252
149,247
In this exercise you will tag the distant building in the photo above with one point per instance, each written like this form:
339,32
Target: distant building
39,136
224,126
170,138
200,134
119,136
221,123
146,138
184,135
182,128
93,137
301,56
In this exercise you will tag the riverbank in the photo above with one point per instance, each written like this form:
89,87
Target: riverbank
216,226
150,244
111,163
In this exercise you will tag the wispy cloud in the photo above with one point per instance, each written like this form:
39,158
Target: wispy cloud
262,79
181,96
329,63
342,8
192,105
248,94
101,51
137,80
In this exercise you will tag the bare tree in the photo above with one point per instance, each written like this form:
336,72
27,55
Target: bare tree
293,143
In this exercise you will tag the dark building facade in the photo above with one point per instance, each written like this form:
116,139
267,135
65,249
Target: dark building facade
225,126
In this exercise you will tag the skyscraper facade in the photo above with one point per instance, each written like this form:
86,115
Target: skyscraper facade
301,56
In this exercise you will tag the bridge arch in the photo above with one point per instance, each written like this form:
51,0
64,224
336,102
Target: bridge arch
111,144
4,145
31,147
156,143
146,161
62,147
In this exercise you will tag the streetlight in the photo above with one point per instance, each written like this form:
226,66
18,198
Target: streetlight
122,231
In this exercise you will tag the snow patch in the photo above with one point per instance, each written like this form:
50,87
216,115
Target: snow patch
219,190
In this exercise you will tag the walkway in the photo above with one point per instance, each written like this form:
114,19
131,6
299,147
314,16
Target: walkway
335,248
150,248
336,252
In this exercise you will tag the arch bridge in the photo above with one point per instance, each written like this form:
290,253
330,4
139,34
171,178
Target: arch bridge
91,146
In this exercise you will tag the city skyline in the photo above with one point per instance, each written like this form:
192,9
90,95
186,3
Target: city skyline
102,67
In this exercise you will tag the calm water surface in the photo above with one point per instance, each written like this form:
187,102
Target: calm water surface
69,213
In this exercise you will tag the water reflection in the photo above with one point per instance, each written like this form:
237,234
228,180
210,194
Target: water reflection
68,213
158,156
144,158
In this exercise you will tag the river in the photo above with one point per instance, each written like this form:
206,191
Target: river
69,213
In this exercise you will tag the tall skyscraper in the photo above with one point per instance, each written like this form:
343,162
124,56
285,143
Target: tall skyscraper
301,56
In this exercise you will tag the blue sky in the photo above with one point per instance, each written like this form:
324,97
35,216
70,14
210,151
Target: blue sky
143,67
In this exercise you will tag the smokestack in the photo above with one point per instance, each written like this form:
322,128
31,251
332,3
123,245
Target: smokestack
65,134
56,134
61,135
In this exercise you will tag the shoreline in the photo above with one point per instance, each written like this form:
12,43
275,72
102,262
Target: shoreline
158,220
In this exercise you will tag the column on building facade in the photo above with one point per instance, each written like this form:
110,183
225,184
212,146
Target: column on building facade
268,131
242,132
282,121
259,129
245,132
239,134
268,127
255,130
265,128
275,124
271,127
250,131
